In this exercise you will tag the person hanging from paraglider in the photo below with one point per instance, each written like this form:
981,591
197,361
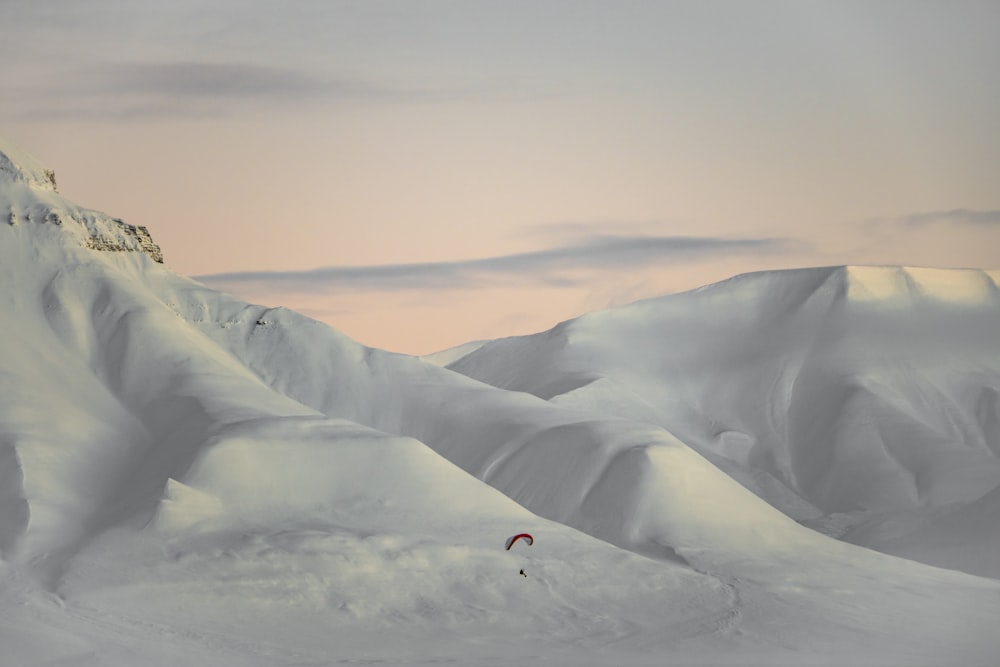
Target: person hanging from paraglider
520,537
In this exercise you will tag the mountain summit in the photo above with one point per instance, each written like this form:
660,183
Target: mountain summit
17,166
28,195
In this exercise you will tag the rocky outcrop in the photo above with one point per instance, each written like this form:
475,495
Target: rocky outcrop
101,232
29,191
141,242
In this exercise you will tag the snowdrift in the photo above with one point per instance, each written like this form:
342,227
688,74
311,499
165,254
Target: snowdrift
185,477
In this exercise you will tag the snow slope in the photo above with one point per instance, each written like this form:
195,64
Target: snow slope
855,399
186,478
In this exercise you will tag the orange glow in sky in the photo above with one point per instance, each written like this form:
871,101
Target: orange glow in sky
423,174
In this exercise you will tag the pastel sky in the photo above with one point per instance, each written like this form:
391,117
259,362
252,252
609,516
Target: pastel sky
421,174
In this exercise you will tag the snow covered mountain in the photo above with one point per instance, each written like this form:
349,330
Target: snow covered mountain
187,478
854,399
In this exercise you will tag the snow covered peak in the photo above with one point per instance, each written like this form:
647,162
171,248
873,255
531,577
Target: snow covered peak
28,195
858,286
16,166
901,284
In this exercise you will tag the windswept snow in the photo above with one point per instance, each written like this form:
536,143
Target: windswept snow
189,479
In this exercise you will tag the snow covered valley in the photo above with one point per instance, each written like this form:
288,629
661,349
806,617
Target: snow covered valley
795,467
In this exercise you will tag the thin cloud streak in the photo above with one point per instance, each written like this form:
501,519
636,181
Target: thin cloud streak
199,79
552,267
194,89
211,80
958,216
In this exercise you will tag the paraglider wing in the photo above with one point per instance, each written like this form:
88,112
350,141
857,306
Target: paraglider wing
520,536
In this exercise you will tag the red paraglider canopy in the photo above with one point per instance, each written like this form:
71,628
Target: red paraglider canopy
520,536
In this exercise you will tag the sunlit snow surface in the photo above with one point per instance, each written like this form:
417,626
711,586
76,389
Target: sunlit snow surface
186,479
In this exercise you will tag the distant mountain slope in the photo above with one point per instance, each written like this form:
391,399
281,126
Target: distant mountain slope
186,478
841,395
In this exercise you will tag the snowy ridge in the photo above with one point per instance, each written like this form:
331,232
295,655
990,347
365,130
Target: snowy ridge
882,284
16,166
186,478
828,392
28,196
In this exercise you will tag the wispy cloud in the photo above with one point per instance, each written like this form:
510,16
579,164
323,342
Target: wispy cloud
199,79
957,216
559,266
185,89
209,80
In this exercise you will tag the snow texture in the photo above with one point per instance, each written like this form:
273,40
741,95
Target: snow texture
795,467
